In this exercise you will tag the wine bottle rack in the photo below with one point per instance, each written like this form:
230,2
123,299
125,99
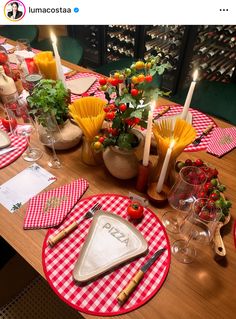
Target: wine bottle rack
121,42
214,53
208,48
168,42
92,38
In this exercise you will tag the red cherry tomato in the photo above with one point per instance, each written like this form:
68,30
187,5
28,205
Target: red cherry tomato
101,139
198,162
3,58
123,107
114,82
208,187
188,162
9,124
135,210
136,120
214,196
148,78
110,115
112,106
134,92
102,81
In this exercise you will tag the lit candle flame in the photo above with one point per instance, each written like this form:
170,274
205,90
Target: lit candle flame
53,37
172,144
195,75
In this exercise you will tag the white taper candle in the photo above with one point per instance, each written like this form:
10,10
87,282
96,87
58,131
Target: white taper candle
60,74
148,137
189,96
165,167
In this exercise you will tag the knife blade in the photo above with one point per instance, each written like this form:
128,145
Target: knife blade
6,150
127,291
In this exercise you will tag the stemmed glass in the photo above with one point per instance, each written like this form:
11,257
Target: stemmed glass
182,195
198,226
18,113
49,134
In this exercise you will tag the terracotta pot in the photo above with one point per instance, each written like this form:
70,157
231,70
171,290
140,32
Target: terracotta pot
123,164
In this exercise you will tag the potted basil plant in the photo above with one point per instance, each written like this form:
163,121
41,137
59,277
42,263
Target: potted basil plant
52,96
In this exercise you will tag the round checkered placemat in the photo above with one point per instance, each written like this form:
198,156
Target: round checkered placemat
99,297
200,123
92,90
21,145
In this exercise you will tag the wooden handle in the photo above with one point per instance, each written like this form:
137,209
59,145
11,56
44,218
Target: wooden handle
66,231
208,129
124,295
218,242
166,109
70,74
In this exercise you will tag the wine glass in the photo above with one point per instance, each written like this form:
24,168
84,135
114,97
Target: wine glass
182,195
49,134
198,226
21,124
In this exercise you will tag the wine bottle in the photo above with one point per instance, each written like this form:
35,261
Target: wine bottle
228,74
224,68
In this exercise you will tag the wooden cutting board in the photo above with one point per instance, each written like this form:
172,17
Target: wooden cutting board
81,85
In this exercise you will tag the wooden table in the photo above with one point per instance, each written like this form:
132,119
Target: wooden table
203,289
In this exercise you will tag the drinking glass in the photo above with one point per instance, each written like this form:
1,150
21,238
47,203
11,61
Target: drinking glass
18,114
182,195
49,134
199,226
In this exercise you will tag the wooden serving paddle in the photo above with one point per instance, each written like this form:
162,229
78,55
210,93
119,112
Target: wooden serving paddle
219,246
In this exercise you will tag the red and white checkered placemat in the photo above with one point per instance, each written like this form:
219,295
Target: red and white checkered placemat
18,141
99,297
50,208
200,123
92,90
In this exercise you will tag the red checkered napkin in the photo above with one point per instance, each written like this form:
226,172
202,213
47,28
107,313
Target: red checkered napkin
222,141
50,208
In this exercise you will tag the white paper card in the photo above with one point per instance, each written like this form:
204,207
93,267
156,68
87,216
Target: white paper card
66,69
7,46
28,183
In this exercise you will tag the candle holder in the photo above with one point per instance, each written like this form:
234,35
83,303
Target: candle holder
143,177
158,199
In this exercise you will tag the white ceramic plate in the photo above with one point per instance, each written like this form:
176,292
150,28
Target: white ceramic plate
111,241
4,139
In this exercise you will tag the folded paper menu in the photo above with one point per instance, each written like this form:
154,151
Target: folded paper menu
19,189
50,208
222,141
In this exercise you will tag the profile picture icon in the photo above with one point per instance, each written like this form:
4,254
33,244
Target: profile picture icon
14,10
